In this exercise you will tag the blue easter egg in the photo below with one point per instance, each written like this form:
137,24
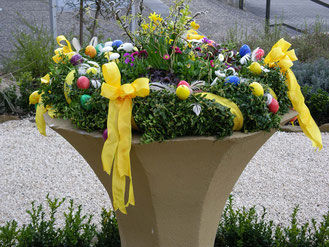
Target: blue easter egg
116,43
232,79
244,50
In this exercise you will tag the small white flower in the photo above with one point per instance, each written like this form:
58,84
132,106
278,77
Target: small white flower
221,57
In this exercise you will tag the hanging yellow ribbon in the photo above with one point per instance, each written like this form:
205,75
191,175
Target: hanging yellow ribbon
280,56
63,50
116,149
234,109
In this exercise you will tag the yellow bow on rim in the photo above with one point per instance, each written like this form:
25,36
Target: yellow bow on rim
116,149
63,50
36,98
280,56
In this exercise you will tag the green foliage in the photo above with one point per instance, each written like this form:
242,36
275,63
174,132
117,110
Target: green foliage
318,104
109,234
313,78
243,227
238,227
164,116
33,51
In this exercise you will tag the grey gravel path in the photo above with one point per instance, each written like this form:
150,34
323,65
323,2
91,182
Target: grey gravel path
285,172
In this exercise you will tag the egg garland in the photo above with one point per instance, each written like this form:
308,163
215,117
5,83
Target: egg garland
83,82
255,68
76,59
85,102
244,50
256,89
183,92
272,103
232,79
90,51
116,43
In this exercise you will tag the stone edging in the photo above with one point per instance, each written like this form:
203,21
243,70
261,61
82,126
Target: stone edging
290,128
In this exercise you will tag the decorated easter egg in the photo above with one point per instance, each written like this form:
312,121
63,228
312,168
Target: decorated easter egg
99,48
90,51
183,92
273,106
259,54
105,134
269,98
255,68
84,100
256,89
117,43
273,93
232,79
244,50
183,83
83,82
92,70
34,97
76,59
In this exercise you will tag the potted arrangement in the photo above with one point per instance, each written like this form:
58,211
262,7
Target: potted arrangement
199,109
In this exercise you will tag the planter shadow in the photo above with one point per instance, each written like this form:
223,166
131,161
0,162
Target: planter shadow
181,185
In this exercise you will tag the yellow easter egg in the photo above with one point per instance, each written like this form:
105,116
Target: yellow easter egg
255,68
92,70
183,92
34,98
90,51
256,89
273,94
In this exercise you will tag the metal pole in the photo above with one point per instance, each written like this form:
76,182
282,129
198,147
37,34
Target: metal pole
81,22
53,23
241,4
267,16
133,21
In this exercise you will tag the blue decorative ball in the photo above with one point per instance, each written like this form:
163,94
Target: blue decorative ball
232,79
116,43
244,50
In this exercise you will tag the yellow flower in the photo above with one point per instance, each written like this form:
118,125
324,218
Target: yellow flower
170,41
145,26
159,19
194,25
154,17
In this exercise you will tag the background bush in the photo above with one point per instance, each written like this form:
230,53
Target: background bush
238,227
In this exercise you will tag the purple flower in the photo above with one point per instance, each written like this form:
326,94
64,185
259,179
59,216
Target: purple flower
166,57
205,40
131,64
177,50
197,49
136,53
127,60
126,54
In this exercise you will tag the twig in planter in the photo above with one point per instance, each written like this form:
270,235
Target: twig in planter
140,13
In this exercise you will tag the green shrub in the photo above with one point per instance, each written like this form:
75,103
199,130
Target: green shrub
33,51
109,234
242,227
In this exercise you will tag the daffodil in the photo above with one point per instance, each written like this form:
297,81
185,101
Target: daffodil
154,17
194,25
145,26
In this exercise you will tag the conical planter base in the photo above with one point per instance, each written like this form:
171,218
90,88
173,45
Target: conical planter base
180,185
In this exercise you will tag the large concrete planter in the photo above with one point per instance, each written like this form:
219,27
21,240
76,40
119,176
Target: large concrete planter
180,185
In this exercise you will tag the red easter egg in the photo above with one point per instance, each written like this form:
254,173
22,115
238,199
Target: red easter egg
274,106
83,82
183,83
259,54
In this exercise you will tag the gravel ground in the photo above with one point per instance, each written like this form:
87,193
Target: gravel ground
285,172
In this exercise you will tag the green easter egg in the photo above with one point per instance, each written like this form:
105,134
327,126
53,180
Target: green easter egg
84,100
99,48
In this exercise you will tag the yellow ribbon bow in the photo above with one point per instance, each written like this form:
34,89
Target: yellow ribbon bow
36,98
116,149
63,50
280,56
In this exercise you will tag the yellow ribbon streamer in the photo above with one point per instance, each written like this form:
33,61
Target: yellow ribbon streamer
238,119
67,84
116,149
280,56
63,50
